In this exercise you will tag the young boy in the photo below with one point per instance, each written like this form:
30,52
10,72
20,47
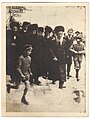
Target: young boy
24,69
78,52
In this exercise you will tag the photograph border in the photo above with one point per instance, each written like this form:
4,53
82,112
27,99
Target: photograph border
3,63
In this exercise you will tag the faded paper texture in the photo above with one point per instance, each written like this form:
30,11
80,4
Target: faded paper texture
46,99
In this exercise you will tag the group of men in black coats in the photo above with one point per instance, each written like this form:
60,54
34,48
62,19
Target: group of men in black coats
50,51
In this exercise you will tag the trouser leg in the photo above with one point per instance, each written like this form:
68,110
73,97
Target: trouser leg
31,79
68,69
77,66
62,68
77,71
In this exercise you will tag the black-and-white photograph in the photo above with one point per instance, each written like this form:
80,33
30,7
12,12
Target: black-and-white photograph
46,57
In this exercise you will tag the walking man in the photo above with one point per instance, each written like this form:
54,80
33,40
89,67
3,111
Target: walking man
69,41
78,52
59,54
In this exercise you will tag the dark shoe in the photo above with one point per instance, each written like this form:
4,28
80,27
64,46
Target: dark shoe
53,82
31,84
60,86
67,77
11,81
76,74
77,79
70,75
23,100
63,86
8,88
16,86
37,82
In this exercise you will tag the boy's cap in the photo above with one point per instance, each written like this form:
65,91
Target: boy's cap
59,28
77,32
70,29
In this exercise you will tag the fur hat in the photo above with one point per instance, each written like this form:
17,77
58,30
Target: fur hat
13,24
59,28
25,23
48,29
40,29
32,27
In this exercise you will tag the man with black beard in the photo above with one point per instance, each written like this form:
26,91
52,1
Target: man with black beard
34,41
16,48
47,52
23,32
32,34
37,56
40,49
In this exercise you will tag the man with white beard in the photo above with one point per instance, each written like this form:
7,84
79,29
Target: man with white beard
59,54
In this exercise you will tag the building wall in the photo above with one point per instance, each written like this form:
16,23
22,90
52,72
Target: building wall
70,17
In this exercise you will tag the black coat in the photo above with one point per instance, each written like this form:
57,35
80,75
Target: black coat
68,44
58,68
59,51
37,55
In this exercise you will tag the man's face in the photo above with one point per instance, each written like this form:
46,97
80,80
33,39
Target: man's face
47,35
40,33
81,35
15,28
28,52
77,34
59,34
70,32
25,27
78,41
34,32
